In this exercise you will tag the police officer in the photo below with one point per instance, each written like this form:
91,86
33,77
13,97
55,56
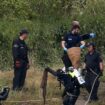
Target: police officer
74,39
65,57
94,67
21,62
70,83
71,43
71,88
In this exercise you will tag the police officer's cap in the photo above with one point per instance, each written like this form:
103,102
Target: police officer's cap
24,31
91,44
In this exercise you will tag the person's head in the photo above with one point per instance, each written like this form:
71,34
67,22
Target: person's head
91,47
24,34
74,23
75,29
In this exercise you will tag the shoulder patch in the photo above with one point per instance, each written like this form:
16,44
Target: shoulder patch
16,45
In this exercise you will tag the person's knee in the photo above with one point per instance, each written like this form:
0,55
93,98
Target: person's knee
65,100
69,100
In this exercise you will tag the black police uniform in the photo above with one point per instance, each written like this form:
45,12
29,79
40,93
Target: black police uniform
72,41
93,69
71,88
20,56
66,60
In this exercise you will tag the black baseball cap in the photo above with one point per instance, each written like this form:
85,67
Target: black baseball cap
24,31
91,44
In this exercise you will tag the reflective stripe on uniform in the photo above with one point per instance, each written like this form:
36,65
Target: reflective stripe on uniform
71,74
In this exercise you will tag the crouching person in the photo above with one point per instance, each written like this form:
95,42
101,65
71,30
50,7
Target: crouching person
94,67
71,87
68,80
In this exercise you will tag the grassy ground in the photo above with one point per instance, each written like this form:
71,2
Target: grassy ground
32,90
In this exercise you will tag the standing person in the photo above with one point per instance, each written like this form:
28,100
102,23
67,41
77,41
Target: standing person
65,58
21,62
94,67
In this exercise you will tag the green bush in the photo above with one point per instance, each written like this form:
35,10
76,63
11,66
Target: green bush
47,21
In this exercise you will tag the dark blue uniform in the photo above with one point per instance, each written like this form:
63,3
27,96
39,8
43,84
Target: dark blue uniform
92,61
73,40
93,69
72,89
71,86
20,57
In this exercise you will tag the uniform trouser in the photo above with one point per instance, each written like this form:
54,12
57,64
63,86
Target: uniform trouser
90,78
71,99
66,61
19,78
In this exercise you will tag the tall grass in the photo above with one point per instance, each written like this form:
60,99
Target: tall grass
31,90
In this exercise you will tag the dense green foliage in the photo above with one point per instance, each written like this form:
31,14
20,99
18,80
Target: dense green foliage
47,21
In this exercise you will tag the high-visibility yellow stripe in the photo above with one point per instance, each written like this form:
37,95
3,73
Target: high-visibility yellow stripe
71,74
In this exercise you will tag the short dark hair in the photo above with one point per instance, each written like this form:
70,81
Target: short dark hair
24,31
75,27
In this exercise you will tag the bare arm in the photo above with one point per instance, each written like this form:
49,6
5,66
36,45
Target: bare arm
84,65
83,43
101,66
63,44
